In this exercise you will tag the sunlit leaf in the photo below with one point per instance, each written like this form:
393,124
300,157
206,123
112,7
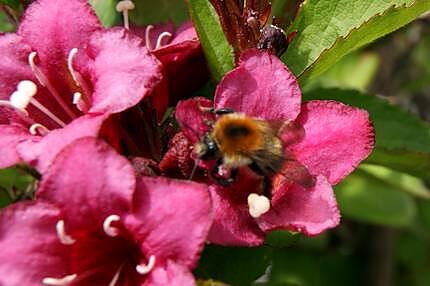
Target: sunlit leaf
330,29
106,11
218,51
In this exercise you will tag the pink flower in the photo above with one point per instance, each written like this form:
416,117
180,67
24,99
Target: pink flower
334,139
61,75
180,52
94,224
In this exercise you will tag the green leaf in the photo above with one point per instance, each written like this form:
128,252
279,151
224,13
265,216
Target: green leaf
355,71
233,265
161,11
299,268
402,140
282,238
218,51
366,198
209,282
5,25
14,4
401,181
330,29
106,11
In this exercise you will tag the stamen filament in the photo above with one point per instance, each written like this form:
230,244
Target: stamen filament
46,111
124,6
66,280
62,235
161,37
77,77
7,103
43,80
116,276
38,129
108,229
79,102
147,38
146,268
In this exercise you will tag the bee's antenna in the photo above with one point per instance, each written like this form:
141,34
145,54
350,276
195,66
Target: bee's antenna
194,169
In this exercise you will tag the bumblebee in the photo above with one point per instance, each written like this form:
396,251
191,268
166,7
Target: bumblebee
236,140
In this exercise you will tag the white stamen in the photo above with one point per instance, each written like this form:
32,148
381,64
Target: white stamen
72,71
161,37
21,98
27,87
66,280
124,6
80,102
77,97
7,103
147,38
116,276
258,205
38,129
62,235
146,268
110,230
43,80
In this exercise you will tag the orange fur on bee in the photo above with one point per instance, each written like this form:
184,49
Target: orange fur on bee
237,134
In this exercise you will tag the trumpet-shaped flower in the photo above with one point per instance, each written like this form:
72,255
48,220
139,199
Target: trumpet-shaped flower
62,68
328,141
93,223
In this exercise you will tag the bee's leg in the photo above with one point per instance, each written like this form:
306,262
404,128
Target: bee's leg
267,183
267,187
256,169
222,111
220,180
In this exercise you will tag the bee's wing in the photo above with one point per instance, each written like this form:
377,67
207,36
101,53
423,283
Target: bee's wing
294,171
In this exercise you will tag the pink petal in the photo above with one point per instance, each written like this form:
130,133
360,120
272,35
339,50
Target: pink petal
30,248
123,69
185,32
338,137
261,86
171,218
89,181
171,274
191,118
41,151
54,27
233,224
294,208
13,63
10,136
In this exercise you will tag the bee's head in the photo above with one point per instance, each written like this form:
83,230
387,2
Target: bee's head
206,149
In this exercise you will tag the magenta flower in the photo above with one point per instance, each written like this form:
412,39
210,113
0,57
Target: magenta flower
106,231
335,140
60,66
180,52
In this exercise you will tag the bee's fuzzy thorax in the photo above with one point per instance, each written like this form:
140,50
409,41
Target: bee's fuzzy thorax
238,134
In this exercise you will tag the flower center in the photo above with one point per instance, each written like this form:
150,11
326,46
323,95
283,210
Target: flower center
111,255
26,92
